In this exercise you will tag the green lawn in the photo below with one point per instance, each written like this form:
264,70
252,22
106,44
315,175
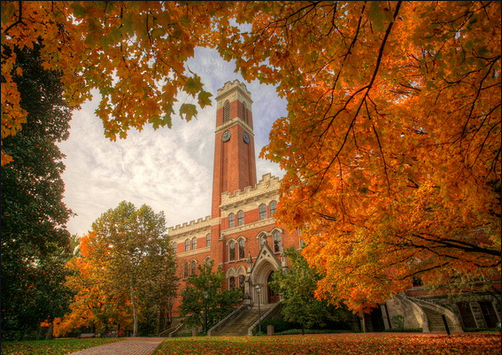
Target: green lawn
344,343
51,347
375,343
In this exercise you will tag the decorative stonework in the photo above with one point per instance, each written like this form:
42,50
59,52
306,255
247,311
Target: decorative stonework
234,90
199,229
247,226
188,253
266,190
191,226
232,122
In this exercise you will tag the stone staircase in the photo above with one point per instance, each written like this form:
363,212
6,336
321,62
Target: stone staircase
239,325
176,325
436,323
434,312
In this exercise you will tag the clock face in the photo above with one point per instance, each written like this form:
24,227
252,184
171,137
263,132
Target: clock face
245,137
226,136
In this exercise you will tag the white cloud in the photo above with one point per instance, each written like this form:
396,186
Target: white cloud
167,169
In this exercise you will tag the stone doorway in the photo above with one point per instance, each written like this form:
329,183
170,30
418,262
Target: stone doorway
261,274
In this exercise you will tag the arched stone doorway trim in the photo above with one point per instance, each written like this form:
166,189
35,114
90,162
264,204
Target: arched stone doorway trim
265,263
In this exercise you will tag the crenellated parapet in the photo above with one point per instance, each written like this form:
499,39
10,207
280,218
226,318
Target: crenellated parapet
234,89
267,187
191,227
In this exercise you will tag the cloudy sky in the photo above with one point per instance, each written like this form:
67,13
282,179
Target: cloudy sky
168,169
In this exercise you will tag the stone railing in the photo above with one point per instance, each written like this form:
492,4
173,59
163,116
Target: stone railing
264,316
431,302
222,322
175,330
440,308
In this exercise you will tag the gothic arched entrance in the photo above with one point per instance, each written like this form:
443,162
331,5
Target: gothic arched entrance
261,274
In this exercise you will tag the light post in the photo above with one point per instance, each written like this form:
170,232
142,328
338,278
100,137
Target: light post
206,295
258,290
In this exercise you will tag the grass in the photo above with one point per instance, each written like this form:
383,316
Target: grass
348,343
341,343
52,347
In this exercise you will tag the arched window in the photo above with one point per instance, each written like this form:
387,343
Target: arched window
263,239
273,208
193,269
226,111
231,282
262,211
175,247
231,250
207,260
185,269
242,279
208,240
277,241
231,220
244,112
242,251
194,243
187,245
240,218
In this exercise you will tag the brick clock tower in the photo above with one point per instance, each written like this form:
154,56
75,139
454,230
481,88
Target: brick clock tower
240,236
234,153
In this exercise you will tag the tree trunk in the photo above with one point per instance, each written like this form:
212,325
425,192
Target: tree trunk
134,313
39,332
159,315
49,331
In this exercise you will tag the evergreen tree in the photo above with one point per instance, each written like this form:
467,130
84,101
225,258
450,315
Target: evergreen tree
35,242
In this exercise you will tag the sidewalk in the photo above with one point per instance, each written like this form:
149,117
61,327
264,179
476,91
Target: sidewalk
128,346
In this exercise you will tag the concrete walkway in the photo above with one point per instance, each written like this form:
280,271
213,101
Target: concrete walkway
128,346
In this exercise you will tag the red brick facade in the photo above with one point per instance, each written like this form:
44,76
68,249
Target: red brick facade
241,235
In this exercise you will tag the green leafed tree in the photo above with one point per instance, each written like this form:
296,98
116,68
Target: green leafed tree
204,301
131,247
297,287
35,242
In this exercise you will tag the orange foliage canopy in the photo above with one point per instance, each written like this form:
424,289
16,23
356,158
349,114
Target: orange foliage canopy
94,305
391,145
133,52
392,142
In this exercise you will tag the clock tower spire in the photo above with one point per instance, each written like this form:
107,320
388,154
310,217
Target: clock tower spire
234,155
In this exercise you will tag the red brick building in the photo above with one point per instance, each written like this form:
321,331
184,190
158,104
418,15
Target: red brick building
241,235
